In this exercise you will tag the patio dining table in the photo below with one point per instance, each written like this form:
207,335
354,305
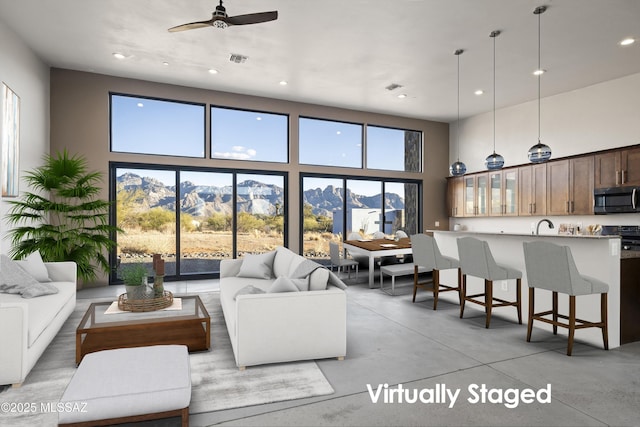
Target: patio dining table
377,248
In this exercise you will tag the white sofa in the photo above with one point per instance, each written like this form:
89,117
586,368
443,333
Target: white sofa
283,326
27,325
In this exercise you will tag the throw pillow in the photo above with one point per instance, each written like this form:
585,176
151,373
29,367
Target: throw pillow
249,289
283,284
12,275
34,265
38,290
257,266
14,280
318,279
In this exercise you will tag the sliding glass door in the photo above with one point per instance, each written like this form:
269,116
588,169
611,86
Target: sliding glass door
195,218
206,221
338,208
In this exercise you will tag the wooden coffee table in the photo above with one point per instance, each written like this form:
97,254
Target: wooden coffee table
98,331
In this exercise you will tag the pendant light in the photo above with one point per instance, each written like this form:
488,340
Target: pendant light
458,168
494,161
540,152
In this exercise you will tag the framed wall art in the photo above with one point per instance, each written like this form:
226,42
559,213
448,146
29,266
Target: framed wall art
10,155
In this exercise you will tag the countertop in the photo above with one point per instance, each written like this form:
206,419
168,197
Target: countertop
623,254
564,236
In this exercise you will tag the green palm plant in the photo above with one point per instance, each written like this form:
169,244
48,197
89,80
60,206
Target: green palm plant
62,217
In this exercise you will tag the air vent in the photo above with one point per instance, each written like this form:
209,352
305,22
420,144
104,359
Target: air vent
393,86
237,58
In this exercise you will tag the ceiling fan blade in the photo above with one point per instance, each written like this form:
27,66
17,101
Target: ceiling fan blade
191,26
252,18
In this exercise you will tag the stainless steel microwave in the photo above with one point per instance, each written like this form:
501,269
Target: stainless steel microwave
616,200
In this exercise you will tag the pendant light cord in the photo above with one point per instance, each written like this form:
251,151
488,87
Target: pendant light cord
493,35
494,161
458,53
539,75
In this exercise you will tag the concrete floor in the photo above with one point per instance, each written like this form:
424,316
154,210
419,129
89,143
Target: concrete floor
393,341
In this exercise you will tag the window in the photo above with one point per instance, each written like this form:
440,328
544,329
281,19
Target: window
260,212
330,143
249,135
329,213
394,149
154,126
210,215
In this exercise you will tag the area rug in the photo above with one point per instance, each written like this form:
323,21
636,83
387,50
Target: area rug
217,383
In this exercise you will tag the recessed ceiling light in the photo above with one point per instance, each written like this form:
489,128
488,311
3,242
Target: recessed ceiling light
283,83
140,104
479,92
539,72
627,41
118,55
258,118
402,95
213,71
165,63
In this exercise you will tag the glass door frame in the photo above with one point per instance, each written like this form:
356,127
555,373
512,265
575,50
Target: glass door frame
114,166
345,178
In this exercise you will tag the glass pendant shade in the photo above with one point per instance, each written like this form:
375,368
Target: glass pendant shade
494,161
539,153
457,168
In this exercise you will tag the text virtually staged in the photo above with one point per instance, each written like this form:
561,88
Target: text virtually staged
441,394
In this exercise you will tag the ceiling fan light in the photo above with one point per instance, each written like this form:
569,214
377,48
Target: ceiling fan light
219,24
457,168
539,153
494,161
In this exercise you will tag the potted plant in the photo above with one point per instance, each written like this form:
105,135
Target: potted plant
135,277
62,217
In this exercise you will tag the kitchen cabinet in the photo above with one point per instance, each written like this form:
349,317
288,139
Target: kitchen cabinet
617,168
476,194
570,186
503,192
456,196
532,189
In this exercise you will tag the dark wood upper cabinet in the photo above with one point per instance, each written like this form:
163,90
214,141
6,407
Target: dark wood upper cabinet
456,196
617,168
559,187
570,186
532,186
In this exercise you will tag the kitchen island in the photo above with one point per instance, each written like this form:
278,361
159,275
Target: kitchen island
595,256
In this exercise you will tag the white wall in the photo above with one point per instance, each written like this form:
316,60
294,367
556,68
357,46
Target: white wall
28,77
593,118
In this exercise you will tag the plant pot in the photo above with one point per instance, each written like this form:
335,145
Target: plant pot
136,292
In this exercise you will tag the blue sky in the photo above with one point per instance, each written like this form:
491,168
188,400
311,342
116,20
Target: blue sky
161,127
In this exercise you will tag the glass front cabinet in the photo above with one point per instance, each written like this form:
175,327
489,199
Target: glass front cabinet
476,195
503,192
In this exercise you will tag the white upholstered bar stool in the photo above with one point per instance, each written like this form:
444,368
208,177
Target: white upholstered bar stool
427,254
551,267
476,260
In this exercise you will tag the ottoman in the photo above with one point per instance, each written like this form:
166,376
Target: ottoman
128,385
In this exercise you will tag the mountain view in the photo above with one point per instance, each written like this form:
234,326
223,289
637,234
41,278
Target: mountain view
253,197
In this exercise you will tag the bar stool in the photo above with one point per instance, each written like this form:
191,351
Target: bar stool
476,260
427,254
551,267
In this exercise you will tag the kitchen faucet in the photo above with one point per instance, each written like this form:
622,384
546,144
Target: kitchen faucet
540,222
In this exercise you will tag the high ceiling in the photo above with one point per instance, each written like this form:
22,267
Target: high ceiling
344,53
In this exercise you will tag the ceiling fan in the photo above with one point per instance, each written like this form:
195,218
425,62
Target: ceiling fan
220,19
